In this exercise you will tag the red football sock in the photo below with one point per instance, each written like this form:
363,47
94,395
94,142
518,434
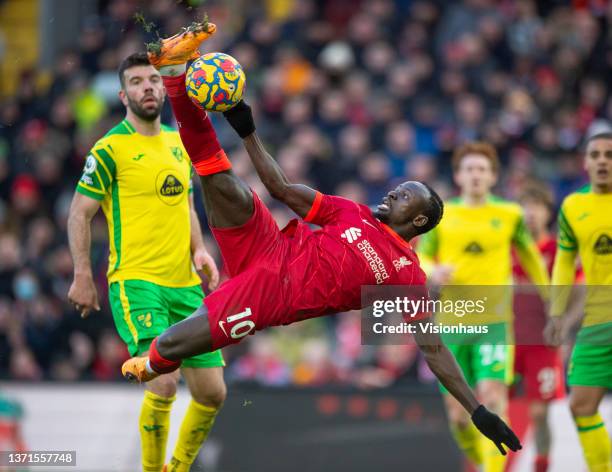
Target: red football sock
196,130
541,464
160,364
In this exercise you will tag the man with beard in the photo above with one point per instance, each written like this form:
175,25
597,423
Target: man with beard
140,174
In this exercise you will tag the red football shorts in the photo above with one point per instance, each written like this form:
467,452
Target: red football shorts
255,295
541,369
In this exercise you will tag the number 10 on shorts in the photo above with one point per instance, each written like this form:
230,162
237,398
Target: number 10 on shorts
240,329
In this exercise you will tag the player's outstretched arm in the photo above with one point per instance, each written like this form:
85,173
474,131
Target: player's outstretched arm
443,365
298,197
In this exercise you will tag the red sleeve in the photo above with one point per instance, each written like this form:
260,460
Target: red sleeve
329,208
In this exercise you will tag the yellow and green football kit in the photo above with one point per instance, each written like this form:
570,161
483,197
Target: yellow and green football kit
585,229
143,184
476,242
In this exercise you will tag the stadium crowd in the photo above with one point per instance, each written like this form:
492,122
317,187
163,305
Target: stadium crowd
351,97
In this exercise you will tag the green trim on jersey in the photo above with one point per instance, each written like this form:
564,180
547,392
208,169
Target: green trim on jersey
116,223
585,189
566,239
168,128
121,128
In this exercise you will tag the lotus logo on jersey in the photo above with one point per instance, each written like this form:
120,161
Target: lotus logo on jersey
352,234
603,245
171,187
400,263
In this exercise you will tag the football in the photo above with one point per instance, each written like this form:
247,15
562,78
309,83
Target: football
215,81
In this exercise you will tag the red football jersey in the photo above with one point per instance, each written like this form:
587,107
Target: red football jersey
328,267
529,310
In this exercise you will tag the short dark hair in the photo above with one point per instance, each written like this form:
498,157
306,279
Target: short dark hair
603,135
133,60
433,211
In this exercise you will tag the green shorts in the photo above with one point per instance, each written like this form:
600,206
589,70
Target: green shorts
591,361
143,310
483,356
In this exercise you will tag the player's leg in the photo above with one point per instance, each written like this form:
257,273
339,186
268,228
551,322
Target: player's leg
589,377
494,396
204,377
464,432
538,416
594,439
493,366
140,315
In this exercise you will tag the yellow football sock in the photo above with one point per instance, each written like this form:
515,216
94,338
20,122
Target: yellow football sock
197,423
492,459
154,425
595,442
468,439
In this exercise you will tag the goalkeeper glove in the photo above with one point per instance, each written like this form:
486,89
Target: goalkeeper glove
493,427
241,119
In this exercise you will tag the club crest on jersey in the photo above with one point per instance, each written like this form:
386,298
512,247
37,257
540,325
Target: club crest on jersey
400,263
351,235
473,248
603,245
169,188
177,152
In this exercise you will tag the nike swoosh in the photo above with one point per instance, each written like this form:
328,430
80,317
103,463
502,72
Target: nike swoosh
221,323
368,223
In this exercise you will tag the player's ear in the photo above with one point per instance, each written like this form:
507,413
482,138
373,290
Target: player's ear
123,97
420,220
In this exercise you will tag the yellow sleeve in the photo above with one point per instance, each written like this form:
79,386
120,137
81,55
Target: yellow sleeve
564,268
530,258
427,250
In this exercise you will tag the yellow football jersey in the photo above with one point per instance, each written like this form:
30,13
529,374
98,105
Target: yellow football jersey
477,242
143,183
585,228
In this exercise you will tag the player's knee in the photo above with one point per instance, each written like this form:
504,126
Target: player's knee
582,406
539,413
212,397
164,385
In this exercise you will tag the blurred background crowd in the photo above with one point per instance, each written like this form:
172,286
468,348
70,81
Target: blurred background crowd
351,97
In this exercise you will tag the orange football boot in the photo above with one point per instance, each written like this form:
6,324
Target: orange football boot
135,370
181,47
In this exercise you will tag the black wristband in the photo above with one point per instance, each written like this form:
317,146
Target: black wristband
478,412
240,118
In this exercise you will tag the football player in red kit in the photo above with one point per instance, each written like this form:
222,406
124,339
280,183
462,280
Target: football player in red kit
283,276
539,367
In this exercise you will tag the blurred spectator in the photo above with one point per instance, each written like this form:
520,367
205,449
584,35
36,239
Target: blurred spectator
350,97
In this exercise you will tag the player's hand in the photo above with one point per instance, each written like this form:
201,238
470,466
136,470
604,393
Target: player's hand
240,117
493,427
554,332
202,260
441,274
83,294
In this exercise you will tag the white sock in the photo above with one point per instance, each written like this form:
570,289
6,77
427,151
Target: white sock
173,70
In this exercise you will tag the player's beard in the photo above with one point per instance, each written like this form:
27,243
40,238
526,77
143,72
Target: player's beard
150,114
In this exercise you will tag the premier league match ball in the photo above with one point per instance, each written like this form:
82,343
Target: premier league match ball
215,81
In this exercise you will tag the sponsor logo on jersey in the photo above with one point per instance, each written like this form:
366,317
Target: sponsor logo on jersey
496,223
86,179
145,320
90,165
351,235
603,245
374,261
170,189
473,248
400,263
177,152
